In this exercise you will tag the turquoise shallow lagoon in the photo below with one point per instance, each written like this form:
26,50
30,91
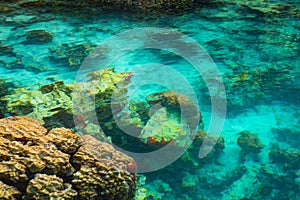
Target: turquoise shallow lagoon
255,46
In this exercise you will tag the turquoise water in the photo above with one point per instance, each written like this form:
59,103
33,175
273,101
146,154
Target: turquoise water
255,48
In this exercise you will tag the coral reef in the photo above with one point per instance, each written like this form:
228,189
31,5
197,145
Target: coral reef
280,177
189,173
140,190
287,158
163,118
64,139
277,183
59,164
105,93
158,190
255,45
52,104
154,126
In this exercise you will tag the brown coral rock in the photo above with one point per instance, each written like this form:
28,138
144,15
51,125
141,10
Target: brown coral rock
100,182
21,129
45,186
94,150
17,152
103,172
56,162
30,149
43,166
64,139
8,192
12,171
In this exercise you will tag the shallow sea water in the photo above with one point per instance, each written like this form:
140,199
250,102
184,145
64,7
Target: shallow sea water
256,53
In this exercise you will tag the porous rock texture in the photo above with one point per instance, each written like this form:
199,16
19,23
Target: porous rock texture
36,164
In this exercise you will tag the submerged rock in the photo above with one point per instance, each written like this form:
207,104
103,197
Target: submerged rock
279,183
6,50
190,158
4,87
70,55
216,177
38,37
249,142
59,164
288,158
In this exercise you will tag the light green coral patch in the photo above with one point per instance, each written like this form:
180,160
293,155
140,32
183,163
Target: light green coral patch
163,127
39,104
